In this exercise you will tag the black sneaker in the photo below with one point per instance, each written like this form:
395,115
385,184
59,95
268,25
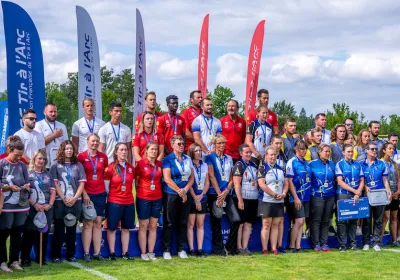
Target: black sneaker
201,254
342,249
192,253
112,257
353,247
292,250
56,260
26,263
87,257
72,260
99,257
281,250
300,250
127,257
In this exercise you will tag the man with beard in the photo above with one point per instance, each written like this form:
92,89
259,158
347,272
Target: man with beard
320,120
394,139
338,135
349,123
53,132
31,139
190,113
171,123
374,127
272,119
289,139
234,130
150,100
86,125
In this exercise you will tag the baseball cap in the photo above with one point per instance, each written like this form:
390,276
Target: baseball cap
23,197
40,220
218,212
70,220
89,212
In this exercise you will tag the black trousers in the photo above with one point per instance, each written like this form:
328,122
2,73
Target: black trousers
376,214
32,238
217,242
231,245
346,228
58,238
321,211
15,244
175,216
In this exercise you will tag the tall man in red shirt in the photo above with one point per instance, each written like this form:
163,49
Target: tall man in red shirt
171,123
150,100
190,113
272,118
234,130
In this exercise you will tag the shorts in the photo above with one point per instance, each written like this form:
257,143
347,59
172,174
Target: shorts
61,210
32,213
393,205
10,220
270,210
203,210
148,208
99,203
303,212
120,212
249,214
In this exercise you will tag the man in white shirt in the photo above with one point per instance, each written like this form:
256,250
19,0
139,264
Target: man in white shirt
53,131
86,125
320,120
32,139
114,132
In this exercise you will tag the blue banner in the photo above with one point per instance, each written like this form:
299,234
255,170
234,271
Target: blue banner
348,210
4,127
25,73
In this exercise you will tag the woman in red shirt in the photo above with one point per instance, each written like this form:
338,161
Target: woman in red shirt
148,199
119,177
94,163
147,133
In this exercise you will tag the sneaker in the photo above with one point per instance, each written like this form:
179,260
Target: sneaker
182,254
292,250
377,248
56,260
5,268
240,252
317,248
112,257
201,254
300,250
72,260
247,252
325,248
358,231
127,257
353,247
275,252
396,244
99,257
152,256
16,265
308,234
26,263
192,253
342,249
167,256
366,247
265,252
87,257
332,231
145,257
281,250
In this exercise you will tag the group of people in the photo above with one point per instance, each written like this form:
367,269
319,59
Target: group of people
184,166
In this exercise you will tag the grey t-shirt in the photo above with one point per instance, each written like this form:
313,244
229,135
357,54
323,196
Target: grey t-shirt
13,174
41,185
68,176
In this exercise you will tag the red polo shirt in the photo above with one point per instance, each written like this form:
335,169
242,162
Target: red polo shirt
94,186
189,115
166,125
139,119
235,133
145,170
139,140
116,195
272,118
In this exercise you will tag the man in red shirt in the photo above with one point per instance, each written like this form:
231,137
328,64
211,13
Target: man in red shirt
171,123
234,130
190,113
272,118
150,100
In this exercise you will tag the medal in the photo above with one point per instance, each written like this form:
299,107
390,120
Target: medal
123,187
391,182
353,183
307,180
94,165
199,188
264,145
372,183
326,185
153,175
94,177
253,183
209,128
183,178
152,187
223,178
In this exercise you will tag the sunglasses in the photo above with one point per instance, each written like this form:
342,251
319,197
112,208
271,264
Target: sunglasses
32,119
374,149
180,144
349,124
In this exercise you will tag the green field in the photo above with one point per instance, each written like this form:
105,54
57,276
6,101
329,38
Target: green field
309,265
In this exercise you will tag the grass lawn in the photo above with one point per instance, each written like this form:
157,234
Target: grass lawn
309,265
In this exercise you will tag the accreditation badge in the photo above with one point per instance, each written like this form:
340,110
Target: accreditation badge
94,177
123,188
372,183
152,187
183,178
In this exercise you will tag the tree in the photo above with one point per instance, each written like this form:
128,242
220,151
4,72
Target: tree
283,110
303,122
220,98
4,95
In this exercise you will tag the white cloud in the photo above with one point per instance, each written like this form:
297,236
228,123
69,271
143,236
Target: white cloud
177,69
232,69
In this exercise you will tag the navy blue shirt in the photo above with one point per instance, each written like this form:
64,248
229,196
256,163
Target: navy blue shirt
200,176
323,178
178,174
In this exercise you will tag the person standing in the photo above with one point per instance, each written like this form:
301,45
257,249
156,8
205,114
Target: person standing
171,123
320,120
312,152
189,114
394,139
53,131
360,150
288,138
150,99
86,125
234,129
374,128
31,139
338,136
114,132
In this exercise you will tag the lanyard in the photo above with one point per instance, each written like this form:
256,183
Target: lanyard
91,129
222,162
351,168
147,139
198,171
94,165
323,136
211,123
174,126
276,174
339,146
120,173
119,129
153,174
326,172
68,169
304,164
52,129
39,179
372,178
250,170
195,112
182,164
264,132
292,141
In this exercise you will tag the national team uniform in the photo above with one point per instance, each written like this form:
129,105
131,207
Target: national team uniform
235,133
208,128
140,140
111,135
200,176
288,146
336,152
46,129
32,141
168,126
392,169
138,120
262,134
189,115
83,127
272,118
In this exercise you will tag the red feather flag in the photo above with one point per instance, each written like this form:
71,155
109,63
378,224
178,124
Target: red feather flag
203,57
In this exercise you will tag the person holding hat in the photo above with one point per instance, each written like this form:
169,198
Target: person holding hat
15,188
43,194
94,196
119,177
69,178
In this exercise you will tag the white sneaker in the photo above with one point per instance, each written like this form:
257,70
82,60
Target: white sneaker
167,256
359,231
16,265
366,247
5,268
145,257
182,254
152,256
377,248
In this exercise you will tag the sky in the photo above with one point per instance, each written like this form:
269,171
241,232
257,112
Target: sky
315,53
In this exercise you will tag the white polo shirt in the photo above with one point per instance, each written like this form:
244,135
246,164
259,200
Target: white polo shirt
33,141
47,129
81,130
109,136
